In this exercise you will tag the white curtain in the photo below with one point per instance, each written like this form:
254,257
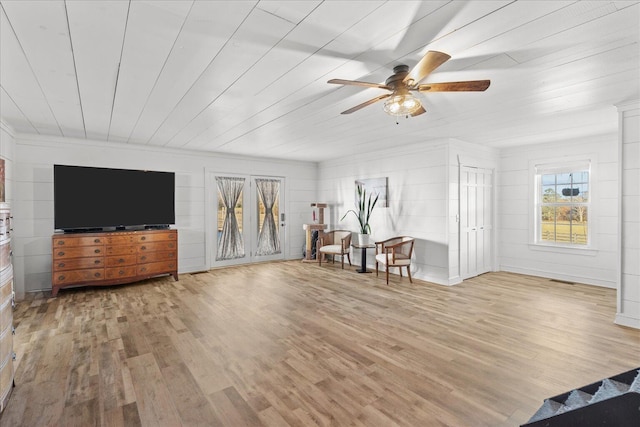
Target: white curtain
230,243
268,239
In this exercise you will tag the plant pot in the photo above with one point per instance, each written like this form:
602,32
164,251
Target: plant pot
363,239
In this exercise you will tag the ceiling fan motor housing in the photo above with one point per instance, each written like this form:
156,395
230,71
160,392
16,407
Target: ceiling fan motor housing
399,73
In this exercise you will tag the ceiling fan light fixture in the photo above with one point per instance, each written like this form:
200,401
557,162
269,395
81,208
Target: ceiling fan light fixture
402,105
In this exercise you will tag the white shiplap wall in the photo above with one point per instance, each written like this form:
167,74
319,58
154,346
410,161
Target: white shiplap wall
33,201
423,199
515,213
417,194
628,312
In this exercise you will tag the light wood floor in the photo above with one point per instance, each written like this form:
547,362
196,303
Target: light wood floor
294,344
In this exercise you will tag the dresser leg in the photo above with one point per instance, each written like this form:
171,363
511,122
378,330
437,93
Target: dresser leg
175,276
54,291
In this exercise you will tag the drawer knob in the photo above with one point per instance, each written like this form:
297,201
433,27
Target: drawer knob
171,265
121,272
60,264
171,245
143,269
121,260
96,262
96,241
97,251
143,248
171,255
143,257
97,274
60,242
143,238
60,253
61,278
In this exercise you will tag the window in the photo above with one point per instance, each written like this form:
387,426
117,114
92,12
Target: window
563,205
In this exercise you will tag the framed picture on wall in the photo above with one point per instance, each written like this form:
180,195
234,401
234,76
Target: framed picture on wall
376,186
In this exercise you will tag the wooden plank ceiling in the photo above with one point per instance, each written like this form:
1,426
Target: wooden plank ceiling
250,77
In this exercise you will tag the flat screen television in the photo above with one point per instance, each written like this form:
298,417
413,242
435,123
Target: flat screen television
90,198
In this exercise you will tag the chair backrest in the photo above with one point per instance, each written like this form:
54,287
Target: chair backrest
338,235
403,246
406,246
335,237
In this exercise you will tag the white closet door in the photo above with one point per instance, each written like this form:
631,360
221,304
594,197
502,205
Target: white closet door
475,221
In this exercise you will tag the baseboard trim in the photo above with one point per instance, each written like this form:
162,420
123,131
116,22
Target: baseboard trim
623,320
558,276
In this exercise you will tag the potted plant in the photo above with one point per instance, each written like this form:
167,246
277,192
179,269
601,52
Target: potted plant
364,205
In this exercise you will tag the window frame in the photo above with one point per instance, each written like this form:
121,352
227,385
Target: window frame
540,167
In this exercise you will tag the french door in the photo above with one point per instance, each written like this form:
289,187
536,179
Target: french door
248,219
476,215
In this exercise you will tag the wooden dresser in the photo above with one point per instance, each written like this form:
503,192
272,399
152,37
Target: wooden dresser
109,258
6,307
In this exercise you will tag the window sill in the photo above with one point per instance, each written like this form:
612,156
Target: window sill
563,249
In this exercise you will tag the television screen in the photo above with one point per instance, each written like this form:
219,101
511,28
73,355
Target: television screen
92,198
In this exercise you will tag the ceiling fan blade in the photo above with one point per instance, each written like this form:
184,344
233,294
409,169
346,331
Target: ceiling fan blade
429,62
420,110
364,104
469,86
357,83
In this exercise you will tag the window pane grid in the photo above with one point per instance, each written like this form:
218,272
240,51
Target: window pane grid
563,208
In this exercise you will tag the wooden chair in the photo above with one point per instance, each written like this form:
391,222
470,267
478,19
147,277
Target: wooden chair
336,242
395,252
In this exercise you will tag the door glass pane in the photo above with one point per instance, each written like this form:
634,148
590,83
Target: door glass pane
230,241
268,212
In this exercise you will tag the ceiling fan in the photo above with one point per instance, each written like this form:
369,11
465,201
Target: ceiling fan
400,100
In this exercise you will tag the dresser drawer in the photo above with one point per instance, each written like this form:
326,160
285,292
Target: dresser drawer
6,344
114,261
78,276
77,252
5,254
65,242
6,284
5,224
120,272
6,378
157,267
157,246
156,256
6,313
156,237
120,240
77,263
120,250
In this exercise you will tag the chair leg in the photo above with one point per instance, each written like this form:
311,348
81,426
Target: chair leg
319,255
342,261
349,258
409,274
376,268
387,275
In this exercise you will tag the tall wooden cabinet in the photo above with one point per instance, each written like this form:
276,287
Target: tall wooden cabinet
6,307
109,258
